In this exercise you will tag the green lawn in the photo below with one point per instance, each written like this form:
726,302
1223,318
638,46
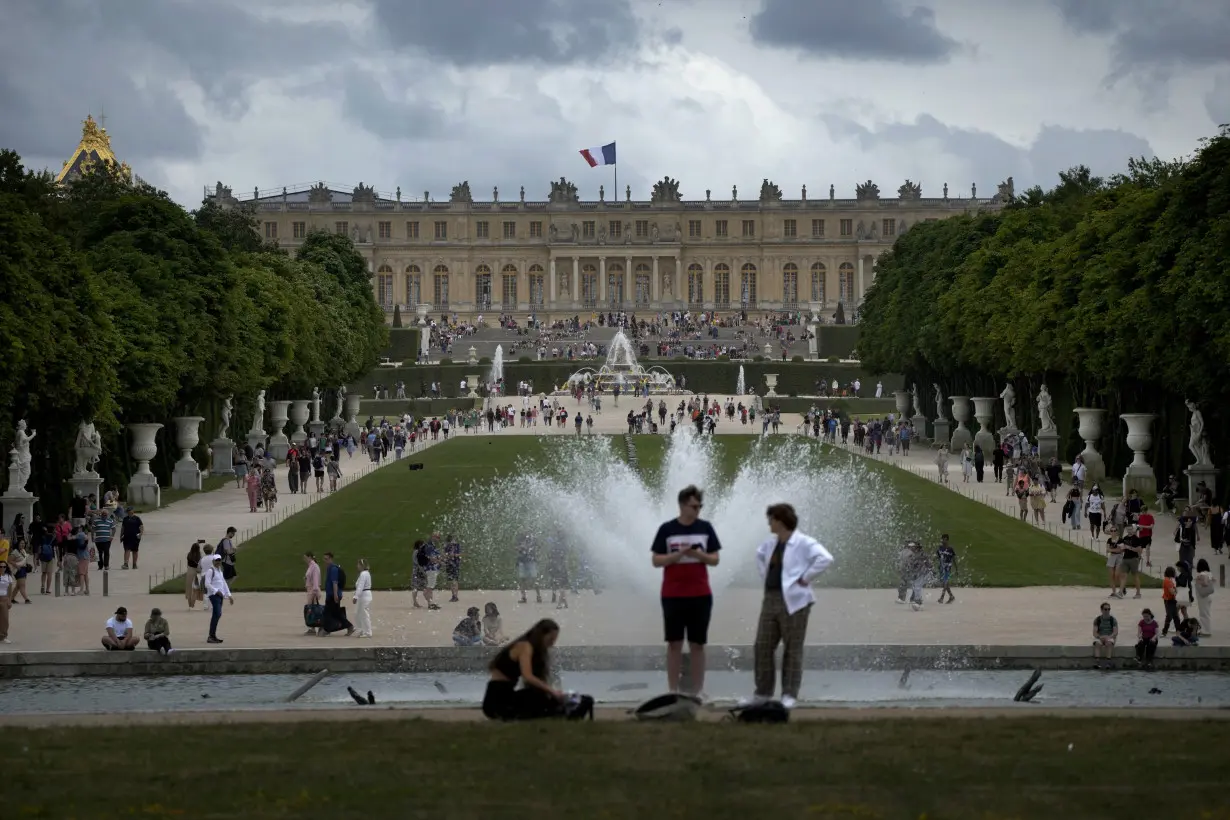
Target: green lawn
380,517
954,767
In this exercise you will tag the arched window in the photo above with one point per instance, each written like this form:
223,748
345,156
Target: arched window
818,275
721,286
644,285
790,285
508,289
696,286
414,285
747,286
615,286
440,286
537,281
589,286
482,287
845,283
384,287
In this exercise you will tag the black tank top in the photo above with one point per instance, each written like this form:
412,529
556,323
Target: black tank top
509,668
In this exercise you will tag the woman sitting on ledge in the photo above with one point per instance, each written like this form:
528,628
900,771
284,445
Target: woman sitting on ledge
525,658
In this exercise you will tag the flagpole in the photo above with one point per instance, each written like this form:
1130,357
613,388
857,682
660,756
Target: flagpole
615,165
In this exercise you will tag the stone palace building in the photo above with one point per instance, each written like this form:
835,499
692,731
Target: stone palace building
565,256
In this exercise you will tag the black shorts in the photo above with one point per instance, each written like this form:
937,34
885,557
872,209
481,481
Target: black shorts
1145,541
687,619
1095,519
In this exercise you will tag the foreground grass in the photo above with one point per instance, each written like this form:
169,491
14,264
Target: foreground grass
951,767
380,517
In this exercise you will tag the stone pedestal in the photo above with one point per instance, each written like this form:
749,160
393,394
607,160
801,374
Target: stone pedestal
472,383
223,460
1090,430
14,505
770,380
256,438
984,412
424,338
187,473
941,431
1139,475
85,484
1195,474
298,417
143,489
813,343
279,415
960,412
920,426
317,428
1048,445
352,415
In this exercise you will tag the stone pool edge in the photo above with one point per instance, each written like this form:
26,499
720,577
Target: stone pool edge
307,660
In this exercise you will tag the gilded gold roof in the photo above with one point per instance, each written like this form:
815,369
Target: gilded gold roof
95,146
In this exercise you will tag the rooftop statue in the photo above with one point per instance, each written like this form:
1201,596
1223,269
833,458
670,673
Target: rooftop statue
867,190
461,193
769,192
666,190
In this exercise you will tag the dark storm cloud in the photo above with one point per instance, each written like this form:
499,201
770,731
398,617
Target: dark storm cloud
1217,100
869,30
991,159
368,105
1152,35
61,59
486,32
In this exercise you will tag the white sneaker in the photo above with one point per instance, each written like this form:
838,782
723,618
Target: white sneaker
916,606
788,702
900,600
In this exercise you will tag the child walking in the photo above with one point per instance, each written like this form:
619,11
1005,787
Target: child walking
1170,594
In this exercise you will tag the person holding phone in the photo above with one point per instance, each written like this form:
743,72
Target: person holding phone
685,548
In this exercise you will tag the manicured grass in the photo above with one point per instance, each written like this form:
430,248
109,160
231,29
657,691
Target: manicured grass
380,517
952,767
208,484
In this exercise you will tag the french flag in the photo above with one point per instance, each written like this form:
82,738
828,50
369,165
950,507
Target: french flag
599,156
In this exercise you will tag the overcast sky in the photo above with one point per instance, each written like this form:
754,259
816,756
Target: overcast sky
422,94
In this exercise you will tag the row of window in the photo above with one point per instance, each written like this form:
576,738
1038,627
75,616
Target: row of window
589,229
615,295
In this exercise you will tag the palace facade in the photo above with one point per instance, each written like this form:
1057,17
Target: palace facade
565,256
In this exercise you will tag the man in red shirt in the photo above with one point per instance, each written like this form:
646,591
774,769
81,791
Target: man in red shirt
1144,534
685,548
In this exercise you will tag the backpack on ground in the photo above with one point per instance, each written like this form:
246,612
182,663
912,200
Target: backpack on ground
771,711
579,707
313,614
672,707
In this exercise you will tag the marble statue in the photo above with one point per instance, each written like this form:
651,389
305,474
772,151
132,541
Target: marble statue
21,444
668,283
1197,443
228,405
315,404
1009,397
939,403
341,402
1046,407
88,447
914,398
258,418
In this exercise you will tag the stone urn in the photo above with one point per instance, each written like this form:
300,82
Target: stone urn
300,411
1090,430
1139,476
422,309
143,489
984,412
903,403
352,414
187,473
472,382
279,414
473,355
768,350
770,380
960,413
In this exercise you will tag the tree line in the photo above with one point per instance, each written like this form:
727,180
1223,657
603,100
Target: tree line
117,305
1112,291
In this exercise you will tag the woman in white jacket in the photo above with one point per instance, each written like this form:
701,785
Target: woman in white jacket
363,601
788,562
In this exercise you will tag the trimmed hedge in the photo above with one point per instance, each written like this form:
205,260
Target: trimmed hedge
394,408
853,408
403,347
836,340
797,378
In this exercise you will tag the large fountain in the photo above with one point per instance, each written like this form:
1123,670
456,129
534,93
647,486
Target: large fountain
584,492
497,366
622,370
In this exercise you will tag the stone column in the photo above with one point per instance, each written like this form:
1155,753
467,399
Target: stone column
601,281
857,296
552,285
629,283
576,280
656,284
680,286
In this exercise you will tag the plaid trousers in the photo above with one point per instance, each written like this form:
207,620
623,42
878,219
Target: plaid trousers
777,626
